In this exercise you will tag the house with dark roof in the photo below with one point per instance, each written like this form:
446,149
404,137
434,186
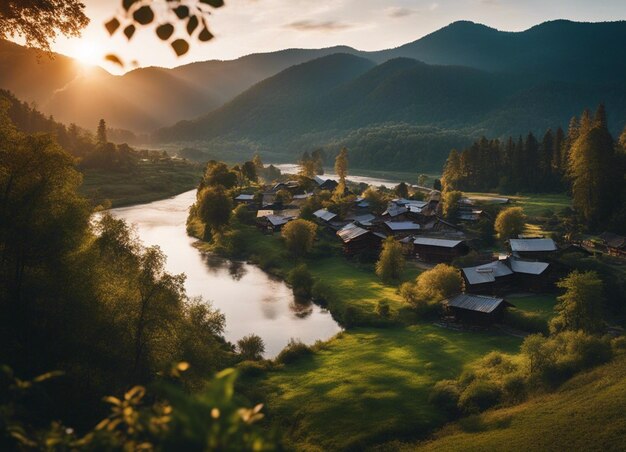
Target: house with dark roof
504,275
429,249
533,248
402,228
324,215
477,309
326,184
358,240
244,199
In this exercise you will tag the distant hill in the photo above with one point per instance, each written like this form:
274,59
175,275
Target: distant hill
413,111
148,98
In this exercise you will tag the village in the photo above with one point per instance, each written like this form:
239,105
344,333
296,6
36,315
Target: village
526,264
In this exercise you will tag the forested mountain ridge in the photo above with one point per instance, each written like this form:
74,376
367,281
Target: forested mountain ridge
148,98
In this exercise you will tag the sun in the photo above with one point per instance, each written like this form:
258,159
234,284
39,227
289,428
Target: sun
88,53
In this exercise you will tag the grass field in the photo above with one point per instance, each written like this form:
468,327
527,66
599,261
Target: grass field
541,305
586,413
382,377
149,182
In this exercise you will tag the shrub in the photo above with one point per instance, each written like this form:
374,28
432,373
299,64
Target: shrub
252,369
350,317
525,321
479,396
251,347
445,395
322,293
244,215
514,387
293,351
299,236
383,309
301,281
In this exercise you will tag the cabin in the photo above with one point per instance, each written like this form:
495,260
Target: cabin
365,220
477,309
438,250
244,199
272,223
504,275
615,244
395,212
357,240
533,248
292,186
324,216
401,227
326,184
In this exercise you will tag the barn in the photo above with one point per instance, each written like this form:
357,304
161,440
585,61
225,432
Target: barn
477,309
357,240
533,248
439,250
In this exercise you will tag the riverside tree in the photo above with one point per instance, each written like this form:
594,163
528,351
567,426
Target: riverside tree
251,347
341,166
214,209
299,236
391,262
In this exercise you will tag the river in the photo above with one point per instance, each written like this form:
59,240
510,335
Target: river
293,168
251,300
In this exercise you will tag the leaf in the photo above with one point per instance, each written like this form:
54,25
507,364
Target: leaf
114,59
47,376
136,392
113,400
129,31
182,11
165,31
180,46
205,35
182,366
128,3
213,3
112,25
192,24
144,15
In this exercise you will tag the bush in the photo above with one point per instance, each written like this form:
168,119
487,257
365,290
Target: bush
294,350
383,309
299,236
479,396
350,317
252,369
445,395
301,281
244,215
251,347
322,293
514,387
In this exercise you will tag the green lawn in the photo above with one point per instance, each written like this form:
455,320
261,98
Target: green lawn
541,305
369,385
586,413
150,181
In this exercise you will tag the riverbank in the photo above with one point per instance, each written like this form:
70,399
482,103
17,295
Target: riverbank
149,181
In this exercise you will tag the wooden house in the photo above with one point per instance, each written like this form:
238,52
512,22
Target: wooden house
272,222
244,199
533,248
504,275
439,250
357,240
402,228
477,309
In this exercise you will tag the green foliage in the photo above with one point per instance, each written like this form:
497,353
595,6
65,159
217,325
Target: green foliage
299,236
510,223
445,395
244,215
218,174
214,208
391,263
402,190
251,347
301,281
580,308
451,201
341,166
293,351
525,321
383,309
479,396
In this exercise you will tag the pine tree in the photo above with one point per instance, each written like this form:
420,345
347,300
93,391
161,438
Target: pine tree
452,171
557,158
545,161
102,132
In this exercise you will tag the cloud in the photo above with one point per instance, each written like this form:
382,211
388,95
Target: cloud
398,12
311,25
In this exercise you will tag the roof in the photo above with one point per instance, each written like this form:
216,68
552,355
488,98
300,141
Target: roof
264,213
532,245
402,225
319,180
350,232
443,243
324,215
303,196
393,210
365,219
278,220
486,273
528,268
478,303
244,197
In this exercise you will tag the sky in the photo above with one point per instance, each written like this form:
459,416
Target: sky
242,27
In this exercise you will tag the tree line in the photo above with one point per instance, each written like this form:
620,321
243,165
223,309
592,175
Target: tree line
587,162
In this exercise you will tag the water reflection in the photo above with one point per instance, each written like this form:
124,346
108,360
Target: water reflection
251,300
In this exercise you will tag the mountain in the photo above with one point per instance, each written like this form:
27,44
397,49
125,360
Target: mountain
556,50
140,100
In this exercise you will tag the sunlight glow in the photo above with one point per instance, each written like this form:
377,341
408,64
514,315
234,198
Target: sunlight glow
88,53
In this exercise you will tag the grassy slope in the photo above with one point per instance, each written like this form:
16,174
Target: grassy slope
541,305
586,413
151,181
370,385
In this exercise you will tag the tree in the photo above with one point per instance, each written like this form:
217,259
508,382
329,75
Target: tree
402,190
376,200
308,166
214,209
101,134
299,236
248,171
452,173
301,281
341,165
510,222
318,156
217,173
437,184
251,347
40,22
450,203
257,161
581,306
391,262
441,282
422,179
622,141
